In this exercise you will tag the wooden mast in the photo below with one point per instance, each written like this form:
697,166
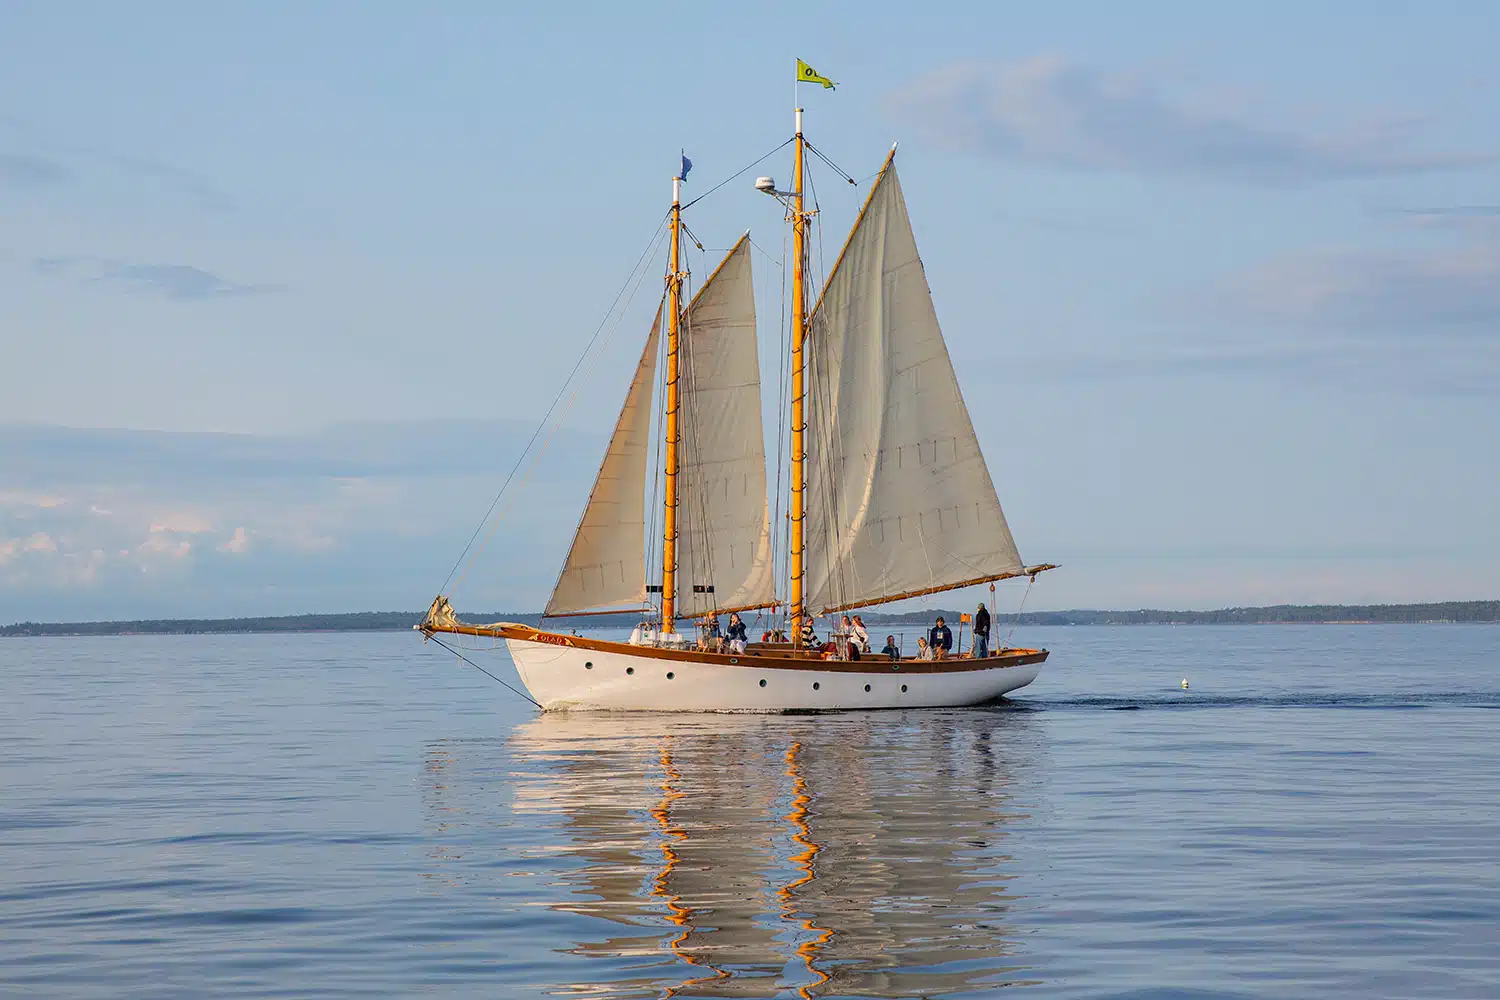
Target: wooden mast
673,434
797,543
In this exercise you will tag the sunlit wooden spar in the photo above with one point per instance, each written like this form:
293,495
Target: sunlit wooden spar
889,495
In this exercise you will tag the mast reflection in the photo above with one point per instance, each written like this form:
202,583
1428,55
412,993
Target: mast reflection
754,856
802,835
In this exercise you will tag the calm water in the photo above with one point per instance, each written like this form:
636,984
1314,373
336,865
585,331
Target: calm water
358,815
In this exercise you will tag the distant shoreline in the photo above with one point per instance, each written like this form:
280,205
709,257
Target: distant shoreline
1450,612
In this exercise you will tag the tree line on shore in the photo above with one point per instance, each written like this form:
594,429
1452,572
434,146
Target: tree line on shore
387,621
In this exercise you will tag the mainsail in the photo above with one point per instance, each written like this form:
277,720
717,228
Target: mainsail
724,524
900,501
606,567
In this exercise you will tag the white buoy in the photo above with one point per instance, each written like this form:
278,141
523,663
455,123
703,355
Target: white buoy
1184,684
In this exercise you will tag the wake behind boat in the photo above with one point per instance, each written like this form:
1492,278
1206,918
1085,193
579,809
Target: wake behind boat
889,496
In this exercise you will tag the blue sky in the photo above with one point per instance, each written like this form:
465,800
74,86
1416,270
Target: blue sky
1223,285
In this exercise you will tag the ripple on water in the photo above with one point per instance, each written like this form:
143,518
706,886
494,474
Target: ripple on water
345,816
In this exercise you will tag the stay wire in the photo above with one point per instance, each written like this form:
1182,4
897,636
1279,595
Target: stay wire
552,434
542,424
742,170
834,166
782,528
1017,623
491,676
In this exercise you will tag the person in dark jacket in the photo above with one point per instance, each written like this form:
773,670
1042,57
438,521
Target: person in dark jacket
940,639
736,634
891,649
981,632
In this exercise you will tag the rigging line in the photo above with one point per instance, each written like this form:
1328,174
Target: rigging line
836,168
491,676
689,497
819,383
1017,623
561,389
551,435
692,236
822,276
763,253
700,549
781,529
654,528
831,446
726,180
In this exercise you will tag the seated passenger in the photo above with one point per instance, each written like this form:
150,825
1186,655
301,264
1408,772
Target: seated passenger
924,651
809,637
891,650
736,634
940,639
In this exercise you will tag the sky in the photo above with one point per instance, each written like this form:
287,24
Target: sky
286,288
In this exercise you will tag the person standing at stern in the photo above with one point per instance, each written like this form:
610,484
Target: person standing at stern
981,632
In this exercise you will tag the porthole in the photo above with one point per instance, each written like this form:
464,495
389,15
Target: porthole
630,670
588,665
670,675
903,689
816,685
867,687
762,682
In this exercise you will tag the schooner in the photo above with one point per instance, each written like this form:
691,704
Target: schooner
890,496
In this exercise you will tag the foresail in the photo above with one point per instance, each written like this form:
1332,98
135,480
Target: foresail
724,525
899,497
606,568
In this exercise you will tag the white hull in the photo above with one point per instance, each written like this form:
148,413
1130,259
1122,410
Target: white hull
564,678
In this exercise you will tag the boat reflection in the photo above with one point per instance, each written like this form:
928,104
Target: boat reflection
753,856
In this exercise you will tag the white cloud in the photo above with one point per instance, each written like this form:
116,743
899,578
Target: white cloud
13,548
159,543
238,543
1053,112
1427,290
188,522
29,498
179,282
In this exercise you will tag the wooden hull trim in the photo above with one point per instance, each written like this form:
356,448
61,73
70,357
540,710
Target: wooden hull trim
789,660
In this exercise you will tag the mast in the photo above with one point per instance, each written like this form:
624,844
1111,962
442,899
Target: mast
797,544
673,434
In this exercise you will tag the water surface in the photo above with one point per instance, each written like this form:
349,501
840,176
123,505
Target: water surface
360,815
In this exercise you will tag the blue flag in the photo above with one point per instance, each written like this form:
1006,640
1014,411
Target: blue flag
687,165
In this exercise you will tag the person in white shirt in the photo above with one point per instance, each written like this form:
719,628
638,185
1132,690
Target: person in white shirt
860,634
